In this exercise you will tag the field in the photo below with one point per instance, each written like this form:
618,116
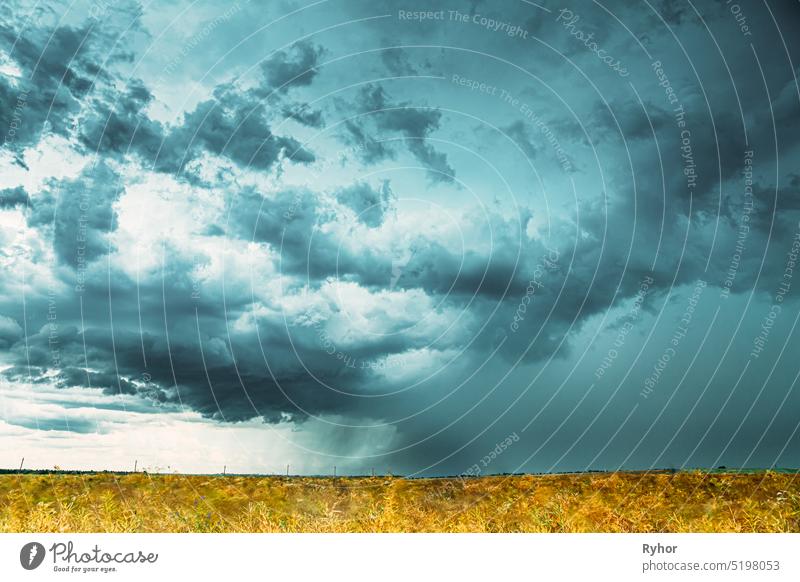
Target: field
588,502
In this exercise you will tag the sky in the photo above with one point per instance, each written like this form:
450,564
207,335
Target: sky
421,238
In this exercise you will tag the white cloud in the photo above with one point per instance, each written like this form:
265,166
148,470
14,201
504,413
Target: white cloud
166,439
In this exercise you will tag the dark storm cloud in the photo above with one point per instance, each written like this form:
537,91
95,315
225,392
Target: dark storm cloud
10,332
369,204
495,272
290,69
56,74
286,217
117,123
61,66
273,369
673,11
233,353
630,120
293,68
386,118
62,80
302,113
229,125
397,62
289,219
11,197
110,383
369,150
234,127
81,222
694,157
267,373
701,152
78,214
270,371
493,280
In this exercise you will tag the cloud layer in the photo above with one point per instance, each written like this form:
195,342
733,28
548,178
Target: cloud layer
405,240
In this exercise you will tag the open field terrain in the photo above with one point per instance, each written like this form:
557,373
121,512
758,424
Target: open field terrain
588,502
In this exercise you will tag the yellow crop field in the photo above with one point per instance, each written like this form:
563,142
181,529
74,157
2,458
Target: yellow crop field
590,502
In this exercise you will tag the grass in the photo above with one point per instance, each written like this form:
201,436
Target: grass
588,502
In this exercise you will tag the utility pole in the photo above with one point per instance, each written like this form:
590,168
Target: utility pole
135,465
334,471
287,469
21,462
224,469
